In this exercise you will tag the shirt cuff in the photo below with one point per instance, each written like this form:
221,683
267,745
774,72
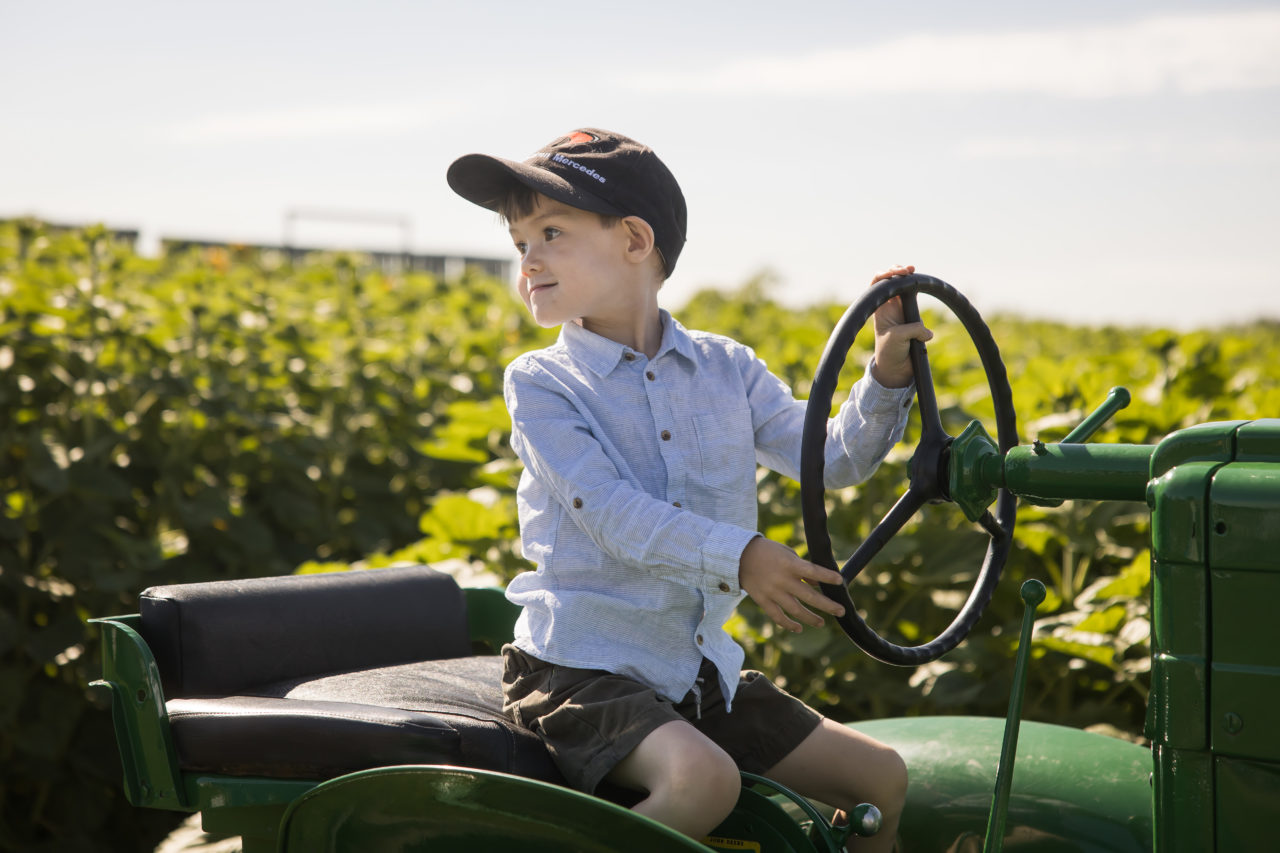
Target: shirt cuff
722,556
874,397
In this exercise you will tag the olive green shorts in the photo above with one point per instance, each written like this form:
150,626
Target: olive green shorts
591,719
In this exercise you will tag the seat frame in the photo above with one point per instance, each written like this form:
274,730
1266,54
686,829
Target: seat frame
249,806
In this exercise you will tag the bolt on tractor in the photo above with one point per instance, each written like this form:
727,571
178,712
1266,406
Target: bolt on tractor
361,711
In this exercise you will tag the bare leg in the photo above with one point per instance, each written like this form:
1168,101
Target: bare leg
692,784
842,767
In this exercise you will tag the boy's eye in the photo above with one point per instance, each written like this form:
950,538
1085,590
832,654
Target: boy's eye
550,233
520,248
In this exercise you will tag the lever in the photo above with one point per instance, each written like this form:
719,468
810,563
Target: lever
1033,594
1117,399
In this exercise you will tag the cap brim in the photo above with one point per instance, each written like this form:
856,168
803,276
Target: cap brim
485,180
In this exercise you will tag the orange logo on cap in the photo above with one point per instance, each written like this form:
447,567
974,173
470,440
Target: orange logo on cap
579,137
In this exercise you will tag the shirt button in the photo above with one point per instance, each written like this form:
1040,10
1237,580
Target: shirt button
699,639
676,503
724,587
650,375
666,435
577,503
629,356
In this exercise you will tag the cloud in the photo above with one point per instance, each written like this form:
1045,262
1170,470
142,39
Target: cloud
285,124
1118,148
1181,54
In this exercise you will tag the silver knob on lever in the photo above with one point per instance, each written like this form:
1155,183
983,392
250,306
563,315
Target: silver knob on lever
863,820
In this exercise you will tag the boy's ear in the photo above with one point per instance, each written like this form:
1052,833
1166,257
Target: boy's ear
640,240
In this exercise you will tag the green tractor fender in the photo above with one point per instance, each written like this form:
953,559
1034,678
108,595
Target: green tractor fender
1072,790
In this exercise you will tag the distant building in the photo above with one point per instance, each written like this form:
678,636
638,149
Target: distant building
389,262
442,266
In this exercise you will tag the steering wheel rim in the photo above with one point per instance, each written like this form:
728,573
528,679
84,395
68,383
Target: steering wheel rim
929,465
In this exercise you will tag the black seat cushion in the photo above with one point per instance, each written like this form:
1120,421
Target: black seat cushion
312,676
428,712
223,637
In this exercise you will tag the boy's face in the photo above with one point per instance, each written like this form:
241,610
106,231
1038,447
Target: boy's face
569,263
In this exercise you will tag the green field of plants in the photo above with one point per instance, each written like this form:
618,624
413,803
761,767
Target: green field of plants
221,415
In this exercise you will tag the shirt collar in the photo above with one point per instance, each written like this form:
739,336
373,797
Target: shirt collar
602,355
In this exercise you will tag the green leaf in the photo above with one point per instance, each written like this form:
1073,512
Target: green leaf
1104,621
1132,582
1104,655
458,518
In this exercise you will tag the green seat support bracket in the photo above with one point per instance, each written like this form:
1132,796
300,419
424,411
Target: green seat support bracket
151,775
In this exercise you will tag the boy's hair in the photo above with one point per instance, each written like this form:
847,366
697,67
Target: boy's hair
519,201
591,169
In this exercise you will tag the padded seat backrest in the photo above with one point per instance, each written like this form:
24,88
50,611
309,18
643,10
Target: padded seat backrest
219,638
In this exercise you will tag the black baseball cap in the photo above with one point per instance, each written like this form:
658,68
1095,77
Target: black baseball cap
590,169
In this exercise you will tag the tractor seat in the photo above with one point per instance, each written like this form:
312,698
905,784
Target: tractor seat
313,676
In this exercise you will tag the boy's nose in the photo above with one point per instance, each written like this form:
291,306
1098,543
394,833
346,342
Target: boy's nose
530,263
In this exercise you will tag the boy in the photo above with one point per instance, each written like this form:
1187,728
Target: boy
640,441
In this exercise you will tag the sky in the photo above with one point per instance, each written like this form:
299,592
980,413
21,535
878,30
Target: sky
1094,161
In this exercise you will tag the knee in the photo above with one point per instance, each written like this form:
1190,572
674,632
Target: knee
710,779
881,779
891,782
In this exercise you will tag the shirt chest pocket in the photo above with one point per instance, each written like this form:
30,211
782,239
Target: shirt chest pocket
727,450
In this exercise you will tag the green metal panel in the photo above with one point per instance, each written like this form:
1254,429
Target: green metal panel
1212,442
1244,559
446,809
1215,498
1178,703
1246,805
1072,791
491,618
1183,800
1182,469
1180,609
1244,705
1245,517
1178,526
244,806
1259,441
1243,604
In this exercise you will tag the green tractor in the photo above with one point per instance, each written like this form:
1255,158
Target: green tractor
361,710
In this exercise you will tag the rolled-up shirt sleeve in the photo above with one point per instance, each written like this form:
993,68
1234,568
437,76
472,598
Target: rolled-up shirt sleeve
869,423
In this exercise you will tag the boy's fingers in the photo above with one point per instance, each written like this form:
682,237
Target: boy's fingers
799,612
806,595
911,331
776,613
901,269
818,574
787,607
815,598
787,598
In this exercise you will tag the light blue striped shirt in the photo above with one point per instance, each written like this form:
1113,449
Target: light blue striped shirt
639,493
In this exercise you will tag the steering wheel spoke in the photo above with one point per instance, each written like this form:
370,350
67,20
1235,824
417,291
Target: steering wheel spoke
929,465
994,528
899,514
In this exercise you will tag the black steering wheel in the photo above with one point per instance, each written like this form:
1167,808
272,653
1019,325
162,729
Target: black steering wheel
928,470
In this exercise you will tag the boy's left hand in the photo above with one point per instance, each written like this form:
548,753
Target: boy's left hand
892,367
